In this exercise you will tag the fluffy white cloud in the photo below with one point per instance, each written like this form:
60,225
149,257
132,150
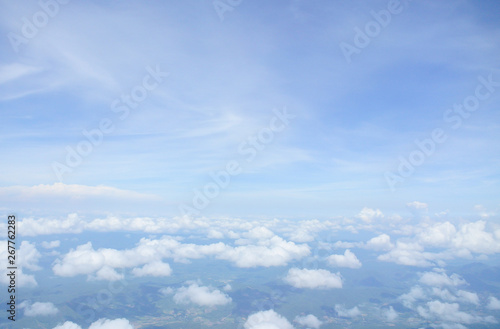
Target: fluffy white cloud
381,242
111,324
272,252
68,325
153,269
309,321
468,297
313,279
493,303
348,259
267,320
107,273
439,279
450,312
390,314
39,309
103,262
347,313
367,215
416,293
411,254
201,295
27,258
438,235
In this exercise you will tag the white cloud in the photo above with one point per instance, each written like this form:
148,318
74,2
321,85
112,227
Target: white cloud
493,303
82,260
272,252
68,325
409,253
259,233
468,297
201,295
313,279
39,309
416,293
167,291
347,313
111,324
86,260
367,215
348,259
27,258
390,314
449,312
71,191
438,235
309,321
51,244
107,273
267,320
153,269
381,242
416,205
436,279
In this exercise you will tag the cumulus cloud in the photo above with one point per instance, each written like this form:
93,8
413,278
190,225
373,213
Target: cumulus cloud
450,312
367,215
381,242
267,320
27,258
201,295
493,303
348,259
111,324
468,297
390,314
409,253
416,293
102,263
347,313
439,278
68,325
313,279
309,321
99,324
153,269
39,309
272,252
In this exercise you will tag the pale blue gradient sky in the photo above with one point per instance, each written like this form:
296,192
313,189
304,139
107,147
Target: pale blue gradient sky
352,120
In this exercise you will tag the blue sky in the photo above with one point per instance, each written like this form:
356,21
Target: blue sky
227,78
